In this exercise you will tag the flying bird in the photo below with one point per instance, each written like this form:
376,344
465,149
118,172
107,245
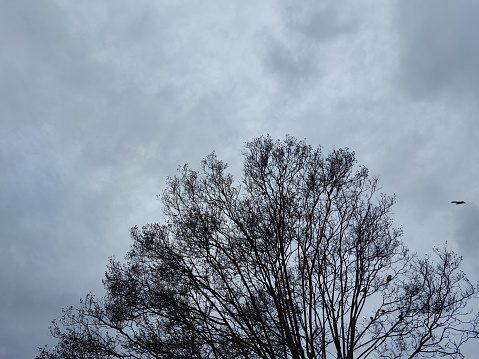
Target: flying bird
458,202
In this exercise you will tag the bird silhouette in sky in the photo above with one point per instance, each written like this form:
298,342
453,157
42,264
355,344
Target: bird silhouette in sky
458,202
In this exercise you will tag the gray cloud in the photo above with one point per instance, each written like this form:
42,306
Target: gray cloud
320,21
293,54
466,229
293,65
100,101
440,51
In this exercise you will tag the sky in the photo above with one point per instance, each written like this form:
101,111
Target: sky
101,100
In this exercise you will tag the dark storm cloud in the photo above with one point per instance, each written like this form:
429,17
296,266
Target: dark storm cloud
440,51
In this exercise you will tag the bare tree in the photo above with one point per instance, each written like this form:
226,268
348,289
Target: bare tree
298,260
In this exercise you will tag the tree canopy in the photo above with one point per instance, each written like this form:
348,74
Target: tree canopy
298,259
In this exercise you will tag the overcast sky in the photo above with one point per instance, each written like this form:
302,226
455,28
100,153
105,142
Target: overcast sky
101,100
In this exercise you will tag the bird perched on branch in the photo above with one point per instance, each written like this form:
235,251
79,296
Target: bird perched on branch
458,202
